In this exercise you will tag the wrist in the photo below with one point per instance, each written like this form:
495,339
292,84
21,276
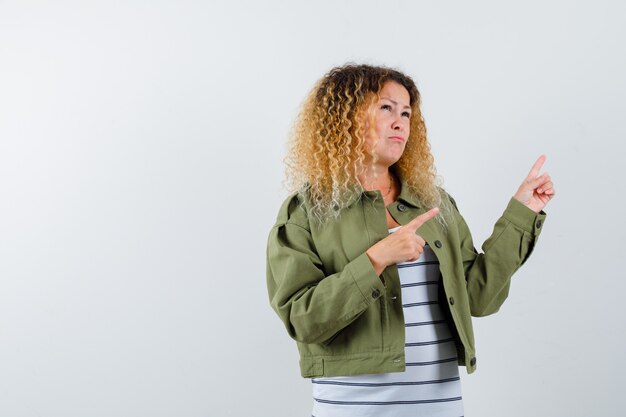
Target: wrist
378,264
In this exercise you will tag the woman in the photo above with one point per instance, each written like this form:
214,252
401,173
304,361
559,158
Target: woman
371,267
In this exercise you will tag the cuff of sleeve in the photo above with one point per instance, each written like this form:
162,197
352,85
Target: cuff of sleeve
365,278
523,217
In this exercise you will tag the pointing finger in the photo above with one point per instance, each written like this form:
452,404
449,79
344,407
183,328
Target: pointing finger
417,222
534,171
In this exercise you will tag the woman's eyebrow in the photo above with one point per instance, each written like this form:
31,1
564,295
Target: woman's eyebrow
395,102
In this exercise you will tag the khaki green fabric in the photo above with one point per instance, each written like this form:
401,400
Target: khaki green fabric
344,319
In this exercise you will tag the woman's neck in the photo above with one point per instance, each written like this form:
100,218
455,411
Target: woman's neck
381,180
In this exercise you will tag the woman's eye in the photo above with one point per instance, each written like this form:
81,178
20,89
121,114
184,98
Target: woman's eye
385,107
406,114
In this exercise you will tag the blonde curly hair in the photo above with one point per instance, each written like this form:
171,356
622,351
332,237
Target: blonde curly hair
327,145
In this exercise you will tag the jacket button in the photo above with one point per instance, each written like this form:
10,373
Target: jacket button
451,300
375,293
401,207
538,224
438,243
473,362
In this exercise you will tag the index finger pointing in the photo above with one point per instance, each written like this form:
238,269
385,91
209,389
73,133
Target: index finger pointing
417,222
534,171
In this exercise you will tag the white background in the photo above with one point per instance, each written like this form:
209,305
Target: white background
141,147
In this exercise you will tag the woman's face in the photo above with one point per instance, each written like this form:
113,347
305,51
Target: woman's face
392,116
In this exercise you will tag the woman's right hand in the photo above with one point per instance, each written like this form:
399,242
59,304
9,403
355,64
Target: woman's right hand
403,245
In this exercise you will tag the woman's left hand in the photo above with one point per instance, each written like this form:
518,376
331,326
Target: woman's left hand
536,190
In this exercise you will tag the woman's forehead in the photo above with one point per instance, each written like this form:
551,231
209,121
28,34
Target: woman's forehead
396,93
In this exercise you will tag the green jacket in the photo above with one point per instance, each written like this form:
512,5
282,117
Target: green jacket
345,320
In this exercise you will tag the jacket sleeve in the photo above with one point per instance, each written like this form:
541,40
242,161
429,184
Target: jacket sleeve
314,306
488,274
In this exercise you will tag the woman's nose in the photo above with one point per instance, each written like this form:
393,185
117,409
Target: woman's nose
398,124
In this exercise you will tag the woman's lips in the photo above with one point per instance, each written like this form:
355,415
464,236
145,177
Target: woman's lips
397,138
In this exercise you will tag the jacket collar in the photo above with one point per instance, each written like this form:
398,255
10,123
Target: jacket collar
406,195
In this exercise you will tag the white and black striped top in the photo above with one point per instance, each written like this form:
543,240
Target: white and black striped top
430,386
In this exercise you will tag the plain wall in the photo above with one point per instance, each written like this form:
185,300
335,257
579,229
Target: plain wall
141,147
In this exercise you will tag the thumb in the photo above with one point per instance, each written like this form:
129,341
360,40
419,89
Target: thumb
417,222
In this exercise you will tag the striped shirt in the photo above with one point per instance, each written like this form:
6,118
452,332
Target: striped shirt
430,385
